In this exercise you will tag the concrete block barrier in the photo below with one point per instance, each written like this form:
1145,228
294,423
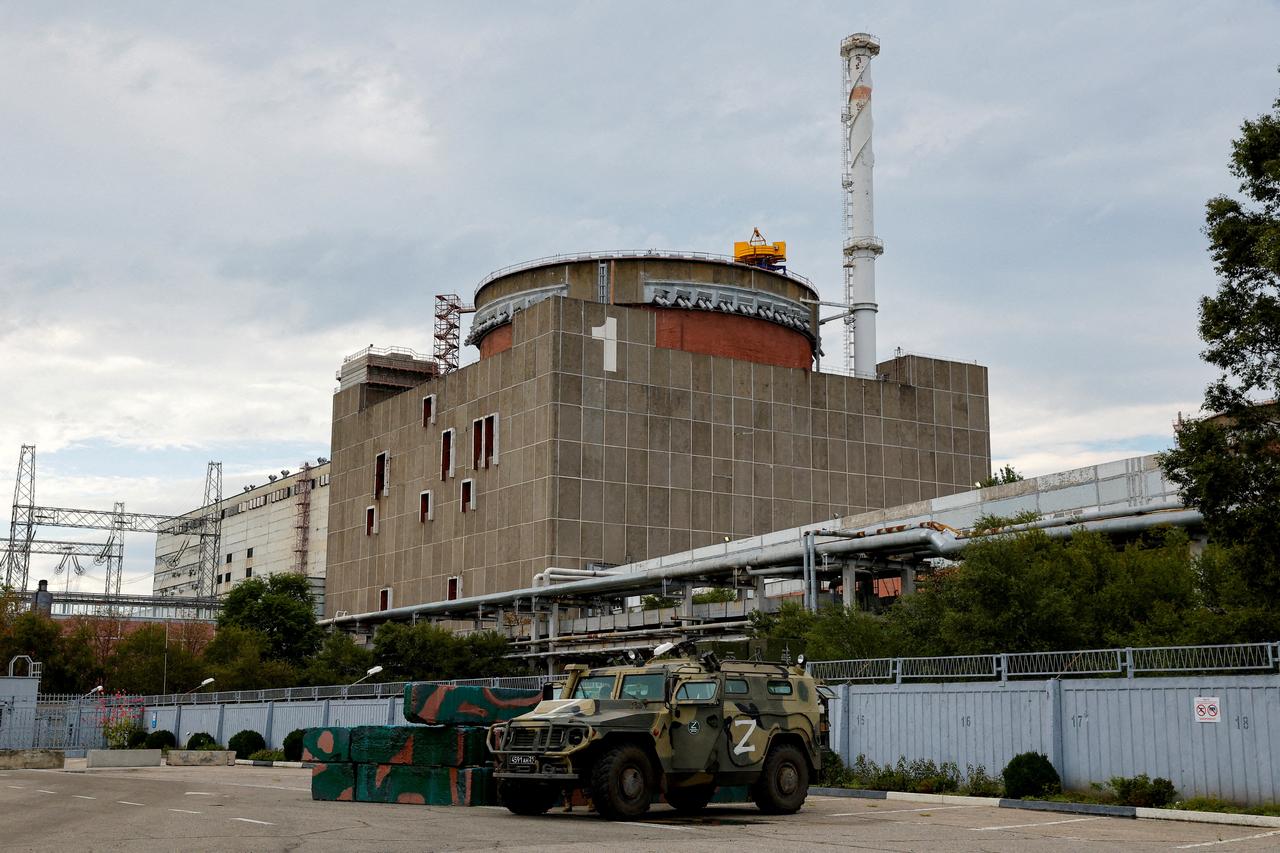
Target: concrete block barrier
123,758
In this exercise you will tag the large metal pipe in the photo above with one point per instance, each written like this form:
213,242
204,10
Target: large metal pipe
861,246
916,540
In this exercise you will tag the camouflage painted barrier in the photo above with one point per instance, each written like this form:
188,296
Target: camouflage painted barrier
462,705
329,744
333,782
432,786
441,746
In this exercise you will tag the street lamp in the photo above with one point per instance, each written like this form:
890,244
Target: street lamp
97,689
204,683
373,670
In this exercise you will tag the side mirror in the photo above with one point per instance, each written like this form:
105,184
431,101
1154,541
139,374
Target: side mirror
552,689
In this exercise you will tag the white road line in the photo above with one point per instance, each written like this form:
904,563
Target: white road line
127,803
43,791
1028,825
900,811
251,820
656,825
1227,840
21,787
185,811
199,794
272,787
83,797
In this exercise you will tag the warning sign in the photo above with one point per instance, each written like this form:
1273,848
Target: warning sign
1208,709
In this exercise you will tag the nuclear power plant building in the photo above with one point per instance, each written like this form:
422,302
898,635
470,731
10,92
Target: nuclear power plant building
624,407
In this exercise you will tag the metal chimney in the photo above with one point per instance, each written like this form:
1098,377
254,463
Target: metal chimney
861,246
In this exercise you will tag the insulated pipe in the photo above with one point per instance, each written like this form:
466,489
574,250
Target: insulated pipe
919,539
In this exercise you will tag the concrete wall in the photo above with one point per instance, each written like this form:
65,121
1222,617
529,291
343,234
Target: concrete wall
1091,729
668,451
272,720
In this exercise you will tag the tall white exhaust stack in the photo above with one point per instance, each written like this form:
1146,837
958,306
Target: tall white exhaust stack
861,246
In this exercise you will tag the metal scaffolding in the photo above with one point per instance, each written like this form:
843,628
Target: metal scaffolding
449,311
302,519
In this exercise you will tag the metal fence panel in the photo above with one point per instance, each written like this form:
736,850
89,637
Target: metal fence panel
287,716
1091,729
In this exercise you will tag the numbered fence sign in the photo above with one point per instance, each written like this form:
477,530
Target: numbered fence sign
1208,709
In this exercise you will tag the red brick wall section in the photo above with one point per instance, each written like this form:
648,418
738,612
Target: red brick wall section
496,341
745,338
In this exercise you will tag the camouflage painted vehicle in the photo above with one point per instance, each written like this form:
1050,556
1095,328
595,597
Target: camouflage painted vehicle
679,726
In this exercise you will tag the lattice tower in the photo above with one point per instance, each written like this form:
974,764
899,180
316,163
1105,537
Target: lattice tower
210,531
22,528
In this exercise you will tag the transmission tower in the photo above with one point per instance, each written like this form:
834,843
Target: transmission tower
112,553
449,311
21,523
210,530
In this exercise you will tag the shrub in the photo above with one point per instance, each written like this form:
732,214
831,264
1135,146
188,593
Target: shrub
137,738
1142,790
162,739
268,755
293,745
1029,774
202,740
978,783
833,773
246,742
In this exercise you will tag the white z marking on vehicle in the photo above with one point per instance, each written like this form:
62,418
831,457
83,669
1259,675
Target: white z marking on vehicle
742,747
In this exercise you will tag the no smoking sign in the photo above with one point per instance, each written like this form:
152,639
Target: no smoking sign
1208,709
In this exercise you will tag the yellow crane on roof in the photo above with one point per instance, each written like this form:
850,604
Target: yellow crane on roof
759,252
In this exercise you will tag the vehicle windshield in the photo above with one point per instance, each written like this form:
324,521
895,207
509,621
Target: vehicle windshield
696,691
595,687
646,688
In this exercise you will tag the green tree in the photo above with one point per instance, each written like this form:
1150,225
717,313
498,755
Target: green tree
339,661
238,659
139,664
1005,475
426,652
716,595
69,665
281,609
1228,462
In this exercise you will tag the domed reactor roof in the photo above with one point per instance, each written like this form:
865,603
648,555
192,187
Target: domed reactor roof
710,304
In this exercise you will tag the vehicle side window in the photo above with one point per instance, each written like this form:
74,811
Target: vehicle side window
696,691
736,687
646,688
595,687
779,688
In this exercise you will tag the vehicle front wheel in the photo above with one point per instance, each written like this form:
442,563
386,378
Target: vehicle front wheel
690,799
784,781
526,798
622,782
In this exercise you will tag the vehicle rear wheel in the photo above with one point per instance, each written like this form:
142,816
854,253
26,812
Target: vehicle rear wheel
690,799
526,798
784,781
622,782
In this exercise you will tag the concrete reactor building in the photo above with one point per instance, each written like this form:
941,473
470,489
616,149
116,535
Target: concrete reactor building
625,407
632,405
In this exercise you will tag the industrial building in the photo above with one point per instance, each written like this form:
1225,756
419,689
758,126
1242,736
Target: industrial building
280,526
631,405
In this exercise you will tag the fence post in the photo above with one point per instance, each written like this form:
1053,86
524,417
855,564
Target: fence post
1128,663
177,725
1057,755
271,708
222,710
1003,664
896,670
324,717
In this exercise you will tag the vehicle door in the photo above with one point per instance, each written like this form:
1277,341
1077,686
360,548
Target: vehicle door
697,721
748,721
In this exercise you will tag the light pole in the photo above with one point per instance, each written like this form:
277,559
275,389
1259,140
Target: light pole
204,683
97,689
373,670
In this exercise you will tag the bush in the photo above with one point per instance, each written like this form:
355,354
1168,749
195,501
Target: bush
978,783
293,745
137,738
1143,791
1030,774
162,739
202,740
268,755
246,742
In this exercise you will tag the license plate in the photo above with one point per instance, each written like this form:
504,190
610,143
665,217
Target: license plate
522,760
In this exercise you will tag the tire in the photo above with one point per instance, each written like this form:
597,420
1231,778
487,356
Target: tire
691,799
784,781
526,798
622,782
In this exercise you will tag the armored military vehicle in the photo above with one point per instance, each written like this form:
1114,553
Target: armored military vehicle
681,725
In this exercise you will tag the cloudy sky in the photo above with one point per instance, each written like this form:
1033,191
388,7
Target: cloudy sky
204,207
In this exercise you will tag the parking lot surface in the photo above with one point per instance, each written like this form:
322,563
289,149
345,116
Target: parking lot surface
269,809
